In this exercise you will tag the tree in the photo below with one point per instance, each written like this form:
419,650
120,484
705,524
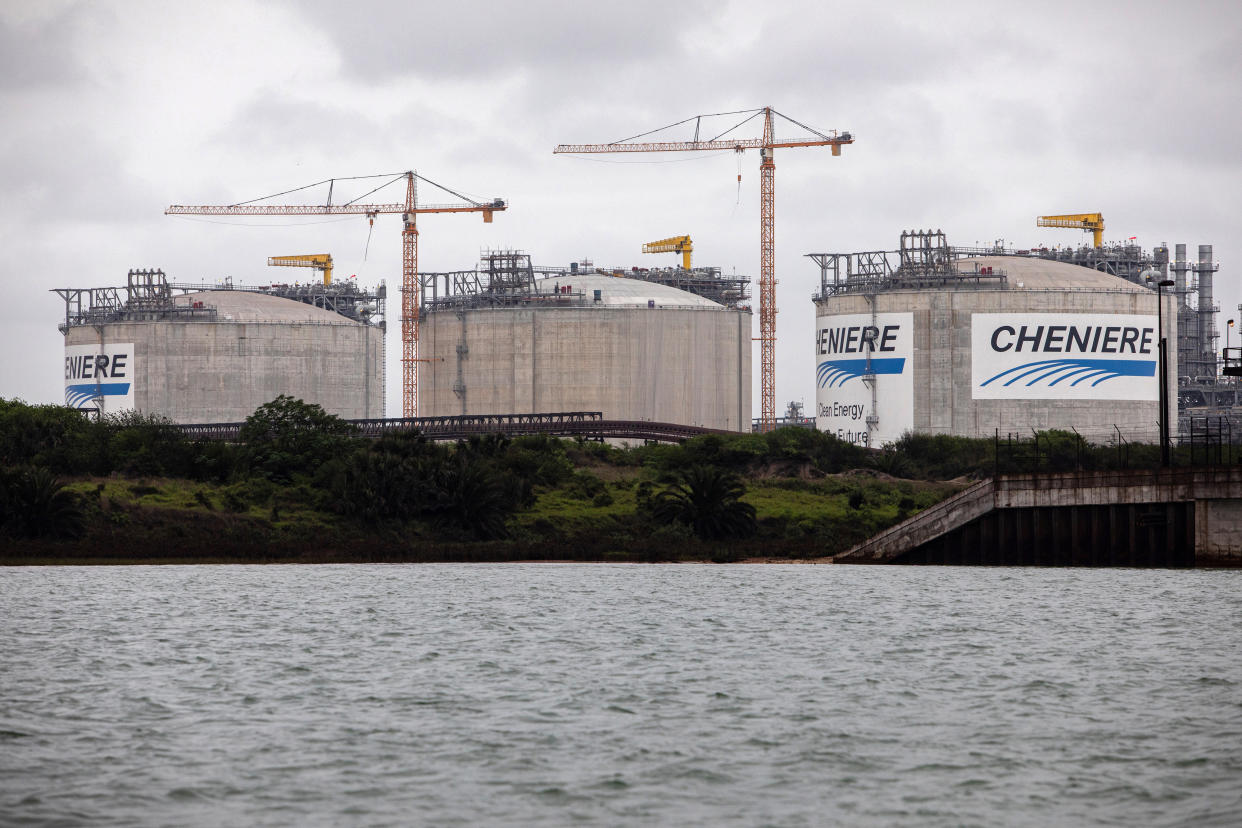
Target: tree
53,436
147,444
473,495
392,478
288,436
708,500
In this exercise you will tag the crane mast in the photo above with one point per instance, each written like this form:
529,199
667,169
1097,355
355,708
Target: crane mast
409,301
767,278
409,210
767,220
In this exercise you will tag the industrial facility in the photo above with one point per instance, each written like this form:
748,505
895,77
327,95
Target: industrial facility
664,344
942,340
928,338
214,353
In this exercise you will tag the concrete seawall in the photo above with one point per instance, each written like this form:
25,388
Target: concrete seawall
1174,517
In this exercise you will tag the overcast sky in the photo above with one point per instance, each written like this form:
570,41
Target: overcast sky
973,118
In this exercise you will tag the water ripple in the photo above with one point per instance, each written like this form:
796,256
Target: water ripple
619,695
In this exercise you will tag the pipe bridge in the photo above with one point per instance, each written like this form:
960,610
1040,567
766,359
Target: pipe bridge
589,425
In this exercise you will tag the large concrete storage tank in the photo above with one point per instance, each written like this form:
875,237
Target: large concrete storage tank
973,346
215,355
578,341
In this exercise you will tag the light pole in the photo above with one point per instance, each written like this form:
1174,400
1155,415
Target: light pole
1164,374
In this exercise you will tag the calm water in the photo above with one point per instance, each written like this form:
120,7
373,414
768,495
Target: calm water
619,695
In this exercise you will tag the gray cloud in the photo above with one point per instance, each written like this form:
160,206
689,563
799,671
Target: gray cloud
279,125
973,118
39,54
470,39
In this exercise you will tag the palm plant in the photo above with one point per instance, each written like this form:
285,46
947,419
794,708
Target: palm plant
708,500
34,503
470,495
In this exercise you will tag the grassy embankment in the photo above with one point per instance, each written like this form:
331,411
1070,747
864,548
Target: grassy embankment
596,514
299,486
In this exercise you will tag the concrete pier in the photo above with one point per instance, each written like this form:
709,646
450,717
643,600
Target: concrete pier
1163,518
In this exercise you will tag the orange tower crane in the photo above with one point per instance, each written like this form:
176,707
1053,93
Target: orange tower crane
767,213
409,210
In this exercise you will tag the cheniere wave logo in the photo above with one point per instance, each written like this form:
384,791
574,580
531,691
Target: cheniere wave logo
1052,372
77,396
836,372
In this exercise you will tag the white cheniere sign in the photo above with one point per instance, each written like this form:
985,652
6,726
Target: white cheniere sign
100,376
851,347
1064,356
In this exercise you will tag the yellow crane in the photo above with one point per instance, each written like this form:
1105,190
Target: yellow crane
319,261
1090,222
676,244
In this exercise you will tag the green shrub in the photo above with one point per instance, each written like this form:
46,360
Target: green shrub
233,500
584,486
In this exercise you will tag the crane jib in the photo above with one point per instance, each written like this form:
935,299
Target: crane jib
690,146
332,210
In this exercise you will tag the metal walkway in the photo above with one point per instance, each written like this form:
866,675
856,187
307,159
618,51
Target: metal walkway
589,425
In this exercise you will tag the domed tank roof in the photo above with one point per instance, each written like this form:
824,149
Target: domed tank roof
244,306
1045,274
618,290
